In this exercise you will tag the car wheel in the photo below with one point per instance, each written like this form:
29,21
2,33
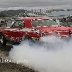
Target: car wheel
31,39
3,40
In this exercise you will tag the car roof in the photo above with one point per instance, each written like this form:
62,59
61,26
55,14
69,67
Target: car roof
34,18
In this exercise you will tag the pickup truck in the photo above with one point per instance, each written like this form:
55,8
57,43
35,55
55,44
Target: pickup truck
32,28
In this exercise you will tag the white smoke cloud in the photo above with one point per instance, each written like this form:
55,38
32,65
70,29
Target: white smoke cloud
51,54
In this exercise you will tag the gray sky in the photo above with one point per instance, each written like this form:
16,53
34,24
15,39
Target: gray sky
36,3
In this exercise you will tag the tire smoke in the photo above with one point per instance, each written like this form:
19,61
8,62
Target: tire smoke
50,54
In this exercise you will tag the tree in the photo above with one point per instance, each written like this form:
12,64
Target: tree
2,14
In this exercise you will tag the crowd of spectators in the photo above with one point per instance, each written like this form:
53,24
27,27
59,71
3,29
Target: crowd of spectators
66,19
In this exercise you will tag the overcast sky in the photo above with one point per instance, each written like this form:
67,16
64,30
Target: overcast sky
36,3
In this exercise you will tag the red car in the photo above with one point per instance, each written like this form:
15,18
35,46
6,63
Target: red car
32,28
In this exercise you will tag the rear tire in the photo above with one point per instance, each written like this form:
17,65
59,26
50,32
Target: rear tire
31,39
3,40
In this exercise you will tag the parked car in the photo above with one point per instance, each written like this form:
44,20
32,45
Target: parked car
32,28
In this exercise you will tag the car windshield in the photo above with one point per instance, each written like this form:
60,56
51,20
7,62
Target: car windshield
17,23
46,22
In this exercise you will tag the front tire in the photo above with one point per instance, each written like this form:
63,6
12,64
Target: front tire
3,40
